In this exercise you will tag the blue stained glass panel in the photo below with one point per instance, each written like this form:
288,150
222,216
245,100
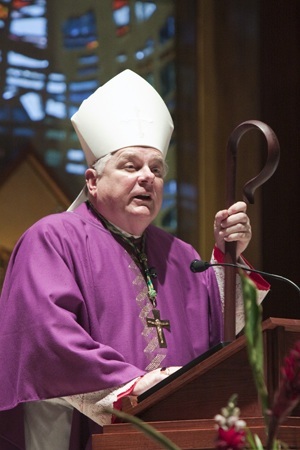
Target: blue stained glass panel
24,132
122,58
56,109
88,59
32,30
19,115
167,31
56,88
32,103
75,155
53,157
56,134
25,83
80,31
17,59
146,50
89,85
76,169
122,16
168,78
144,10
35,10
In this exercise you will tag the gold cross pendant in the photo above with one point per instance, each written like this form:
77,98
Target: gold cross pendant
159,325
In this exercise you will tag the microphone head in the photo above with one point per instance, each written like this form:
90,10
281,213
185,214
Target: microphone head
199,266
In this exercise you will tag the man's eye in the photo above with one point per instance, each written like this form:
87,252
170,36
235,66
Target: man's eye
157,171
130,166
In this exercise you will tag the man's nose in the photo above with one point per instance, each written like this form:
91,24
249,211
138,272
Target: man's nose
146,174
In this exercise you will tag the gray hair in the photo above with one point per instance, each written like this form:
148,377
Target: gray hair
99,165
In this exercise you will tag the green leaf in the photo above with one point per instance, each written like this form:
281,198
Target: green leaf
258,443
147,429
254,338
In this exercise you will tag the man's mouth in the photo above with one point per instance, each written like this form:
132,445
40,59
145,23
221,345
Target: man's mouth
143,197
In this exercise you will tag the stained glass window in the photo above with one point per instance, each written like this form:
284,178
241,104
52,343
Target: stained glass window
50,62
80,31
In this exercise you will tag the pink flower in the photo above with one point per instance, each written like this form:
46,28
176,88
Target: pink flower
230,439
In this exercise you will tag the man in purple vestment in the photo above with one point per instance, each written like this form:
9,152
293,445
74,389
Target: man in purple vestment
98,303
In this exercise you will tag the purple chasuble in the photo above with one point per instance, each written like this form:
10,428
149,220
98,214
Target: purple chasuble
72,310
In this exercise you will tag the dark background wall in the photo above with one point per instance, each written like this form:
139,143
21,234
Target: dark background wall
280,107
239,61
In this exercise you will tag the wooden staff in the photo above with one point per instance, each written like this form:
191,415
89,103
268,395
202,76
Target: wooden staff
248,196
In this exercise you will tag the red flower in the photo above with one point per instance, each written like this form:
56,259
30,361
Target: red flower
288,394
231,439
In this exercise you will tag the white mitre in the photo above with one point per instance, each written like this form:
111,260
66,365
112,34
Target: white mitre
125,112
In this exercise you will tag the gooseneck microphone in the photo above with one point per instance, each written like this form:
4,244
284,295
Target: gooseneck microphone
200,266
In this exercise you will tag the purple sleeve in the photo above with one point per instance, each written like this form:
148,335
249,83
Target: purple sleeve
44,329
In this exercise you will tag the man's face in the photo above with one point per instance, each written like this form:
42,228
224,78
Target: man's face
129,191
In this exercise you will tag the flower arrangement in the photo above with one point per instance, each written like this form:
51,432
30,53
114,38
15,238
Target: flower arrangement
231,431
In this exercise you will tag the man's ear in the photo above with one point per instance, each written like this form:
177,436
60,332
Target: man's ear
91,181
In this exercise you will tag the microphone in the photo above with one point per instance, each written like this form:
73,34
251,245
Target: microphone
200,266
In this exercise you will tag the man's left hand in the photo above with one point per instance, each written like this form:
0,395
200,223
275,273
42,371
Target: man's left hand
231,225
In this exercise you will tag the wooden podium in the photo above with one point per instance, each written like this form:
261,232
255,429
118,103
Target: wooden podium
184,405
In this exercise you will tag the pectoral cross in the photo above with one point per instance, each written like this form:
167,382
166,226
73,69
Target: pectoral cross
160,325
